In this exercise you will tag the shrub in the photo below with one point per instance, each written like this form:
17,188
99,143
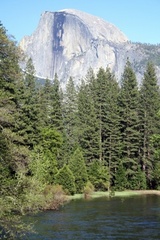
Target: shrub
88,189
54,197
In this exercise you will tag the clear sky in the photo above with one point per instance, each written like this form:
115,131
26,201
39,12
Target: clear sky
139,20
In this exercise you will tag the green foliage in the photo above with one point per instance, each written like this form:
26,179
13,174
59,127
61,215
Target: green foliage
88,189
51,141
156,175
88,136
17,197
43,166
11,156
78,168
4,157
112,134
50,99
69,109
28,115
155,141
150,105
99,119
56,106
120,178
98,175
55,196
138,180
66,178
129,109
44,157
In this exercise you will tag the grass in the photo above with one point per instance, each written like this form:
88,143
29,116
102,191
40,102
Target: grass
103,194
116,194
126,193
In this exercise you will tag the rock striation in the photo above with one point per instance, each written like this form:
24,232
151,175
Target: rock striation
69,42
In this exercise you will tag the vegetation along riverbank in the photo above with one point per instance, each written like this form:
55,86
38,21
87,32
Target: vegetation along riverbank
114,194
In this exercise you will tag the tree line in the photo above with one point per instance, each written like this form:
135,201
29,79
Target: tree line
102,134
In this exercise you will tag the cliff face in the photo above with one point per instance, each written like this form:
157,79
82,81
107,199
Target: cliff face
69,42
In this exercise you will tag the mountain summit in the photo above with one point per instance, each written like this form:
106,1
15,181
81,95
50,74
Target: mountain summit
69,42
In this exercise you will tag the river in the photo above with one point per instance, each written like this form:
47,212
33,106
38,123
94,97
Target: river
136,217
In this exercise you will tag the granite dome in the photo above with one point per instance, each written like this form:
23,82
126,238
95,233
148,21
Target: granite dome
69,42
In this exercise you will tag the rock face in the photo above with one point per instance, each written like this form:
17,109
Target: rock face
69,42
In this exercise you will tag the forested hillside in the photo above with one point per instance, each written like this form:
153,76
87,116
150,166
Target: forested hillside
103,135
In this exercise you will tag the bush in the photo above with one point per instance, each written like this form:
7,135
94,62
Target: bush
88,189
54,197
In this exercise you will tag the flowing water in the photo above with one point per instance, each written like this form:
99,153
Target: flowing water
130,218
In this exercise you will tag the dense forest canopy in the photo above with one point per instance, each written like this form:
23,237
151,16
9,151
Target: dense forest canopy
103,135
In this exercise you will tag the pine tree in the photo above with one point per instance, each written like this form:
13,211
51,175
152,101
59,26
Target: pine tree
112,126
11,153
120,178
150,105
98,175
9,70
128,102
10,74
4,159
138,181
45,101
28,124
56,106
66,178
78,168
45,155
104,91
70,116
87,123
100,88
155,144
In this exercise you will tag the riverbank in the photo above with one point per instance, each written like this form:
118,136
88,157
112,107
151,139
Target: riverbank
126,193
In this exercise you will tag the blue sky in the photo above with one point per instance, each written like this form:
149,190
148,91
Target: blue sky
139,20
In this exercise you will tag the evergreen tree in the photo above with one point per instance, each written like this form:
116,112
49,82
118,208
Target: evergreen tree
9,70
56,106
4,158
150,105
98,175
78,168
128,102
156,175
70,116
155,143
112,126
9,81
104,91
66,178
51,112
87,124
120,178
45,101
11,153
138,180
28,124
100,88
44,157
